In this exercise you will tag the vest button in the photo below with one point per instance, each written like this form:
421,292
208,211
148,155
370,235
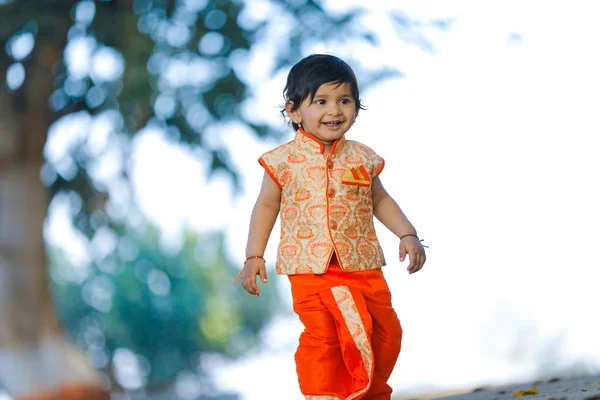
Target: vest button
330,164
333,225
331,192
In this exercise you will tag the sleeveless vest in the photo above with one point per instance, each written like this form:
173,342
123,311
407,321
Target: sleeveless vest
326,205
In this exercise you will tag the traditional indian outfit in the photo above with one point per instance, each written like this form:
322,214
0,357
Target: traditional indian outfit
330,251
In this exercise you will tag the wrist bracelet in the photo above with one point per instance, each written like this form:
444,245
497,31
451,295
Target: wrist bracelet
409,234
412,234
251,257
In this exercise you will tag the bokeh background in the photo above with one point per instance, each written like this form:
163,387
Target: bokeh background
129,134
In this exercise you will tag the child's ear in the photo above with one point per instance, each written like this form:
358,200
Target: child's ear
294,115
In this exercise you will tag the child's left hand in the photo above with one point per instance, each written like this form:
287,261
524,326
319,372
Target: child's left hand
416,253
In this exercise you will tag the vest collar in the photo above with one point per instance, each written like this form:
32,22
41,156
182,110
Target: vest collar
310,143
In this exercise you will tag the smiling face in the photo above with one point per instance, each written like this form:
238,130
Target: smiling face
328,116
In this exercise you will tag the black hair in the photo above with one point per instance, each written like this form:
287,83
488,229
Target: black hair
307,76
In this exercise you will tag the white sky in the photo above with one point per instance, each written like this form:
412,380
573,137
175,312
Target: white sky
491,148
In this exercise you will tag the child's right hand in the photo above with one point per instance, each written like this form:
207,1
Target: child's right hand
253,267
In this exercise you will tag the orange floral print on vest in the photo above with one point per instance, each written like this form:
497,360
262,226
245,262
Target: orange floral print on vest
326,205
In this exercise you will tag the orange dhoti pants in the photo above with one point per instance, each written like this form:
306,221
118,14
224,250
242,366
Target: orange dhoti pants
352,335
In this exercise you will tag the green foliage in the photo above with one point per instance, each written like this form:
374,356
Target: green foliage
169,310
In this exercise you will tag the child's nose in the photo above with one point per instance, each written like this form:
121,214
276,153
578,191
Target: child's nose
334,109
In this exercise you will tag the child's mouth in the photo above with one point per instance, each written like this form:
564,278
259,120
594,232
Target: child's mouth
333,124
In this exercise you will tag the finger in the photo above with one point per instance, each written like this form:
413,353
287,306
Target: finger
249,280
412,255
254,286
245,286
418,263
251,286
421,261
262,271
411,266
402,252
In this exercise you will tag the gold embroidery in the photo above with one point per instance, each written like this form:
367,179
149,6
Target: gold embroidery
348,308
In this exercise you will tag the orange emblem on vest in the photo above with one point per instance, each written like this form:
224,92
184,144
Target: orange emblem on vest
297,158
372,237
343,248
317,211
356,176
286,177
289,250
338,211
316,173
351,232
354,159
289,214
352,196
304,233
368,252
363,213
302,195
319,249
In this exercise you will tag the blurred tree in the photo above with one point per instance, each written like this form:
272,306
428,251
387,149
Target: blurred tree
84,77
165,313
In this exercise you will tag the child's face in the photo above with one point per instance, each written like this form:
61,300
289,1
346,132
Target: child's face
329,115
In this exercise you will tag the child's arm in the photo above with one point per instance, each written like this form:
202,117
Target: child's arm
387,211
262,220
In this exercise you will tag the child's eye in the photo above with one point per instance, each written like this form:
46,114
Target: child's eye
345,101
320,102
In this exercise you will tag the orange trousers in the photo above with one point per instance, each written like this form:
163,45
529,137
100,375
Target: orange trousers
352,335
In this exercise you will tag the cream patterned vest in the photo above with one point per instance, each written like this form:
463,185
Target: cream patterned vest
326,205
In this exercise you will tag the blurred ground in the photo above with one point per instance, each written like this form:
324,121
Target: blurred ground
584,388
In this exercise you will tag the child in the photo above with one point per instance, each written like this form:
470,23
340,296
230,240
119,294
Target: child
327,190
